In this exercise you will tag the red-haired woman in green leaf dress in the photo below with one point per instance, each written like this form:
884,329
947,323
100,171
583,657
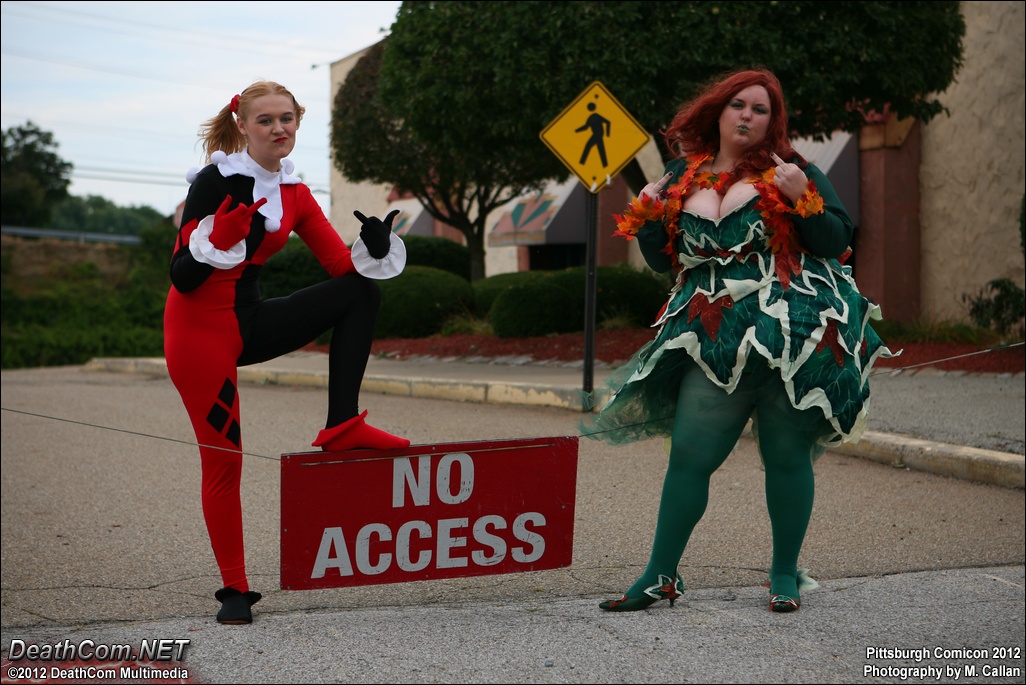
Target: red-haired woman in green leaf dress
764,322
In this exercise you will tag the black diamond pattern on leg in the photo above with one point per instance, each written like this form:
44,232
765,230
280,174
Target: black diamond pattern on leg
234,433
227,394
220,414
218,417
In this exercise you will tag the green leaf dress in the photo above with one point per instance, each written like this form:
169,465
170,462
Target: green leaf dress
750,298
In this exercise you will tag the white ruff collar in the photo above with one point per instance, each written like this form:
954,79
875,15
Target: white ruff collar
266,183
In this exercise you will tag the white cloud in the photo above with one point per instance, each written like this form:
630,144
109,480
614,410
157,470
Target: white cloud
124,86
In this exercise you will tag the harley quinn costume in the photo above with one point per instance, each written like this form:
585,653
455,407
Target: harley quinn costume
236,216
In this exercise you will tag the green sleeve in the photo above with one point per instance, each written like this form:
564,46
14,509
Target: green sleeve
652,238
829,233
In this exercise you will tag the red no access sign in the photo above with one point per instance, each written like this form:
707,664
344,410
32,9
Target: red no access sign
427,512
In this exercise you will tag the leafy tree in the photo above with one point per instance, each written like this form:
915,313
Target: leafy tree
96,214
34,178
450,106
458,187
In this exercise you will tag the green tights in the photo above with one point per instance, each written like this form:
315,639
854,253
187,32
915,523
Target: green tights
707,425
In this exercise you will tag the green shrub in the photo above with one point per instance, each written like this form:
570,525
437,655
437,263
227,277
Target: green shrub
156,245
897,332
440,253
622,293
76,313
536,307
624,298
34,345
1001,306
487,289
143,297
418,302
290,269
67,305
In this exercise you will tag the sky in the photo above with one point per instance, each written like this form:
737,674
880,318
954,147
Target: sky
124,86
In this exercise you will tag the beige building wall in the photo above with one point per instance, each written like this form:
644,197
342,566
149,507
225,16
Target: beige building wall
503,259
346,196
971,175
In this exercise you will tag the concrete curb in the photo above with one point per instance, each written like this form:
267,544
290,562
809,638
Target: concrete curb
490,392
966,463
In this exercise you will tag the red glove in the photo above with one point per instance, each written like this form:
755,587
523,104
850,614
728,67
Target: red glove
232,227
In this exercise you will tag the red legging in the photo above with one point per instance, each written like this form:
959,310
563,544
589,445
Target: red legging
206,340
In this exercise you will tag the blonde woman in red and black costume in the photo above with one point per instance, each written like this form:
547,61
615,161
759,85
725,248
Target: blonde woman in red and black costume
240,210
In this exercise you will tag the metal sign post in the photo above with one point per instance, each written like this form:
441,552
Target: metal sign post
595,137
590,287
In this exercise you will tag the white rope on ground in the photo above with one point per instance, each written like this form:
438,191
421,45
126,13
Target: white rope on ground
948,359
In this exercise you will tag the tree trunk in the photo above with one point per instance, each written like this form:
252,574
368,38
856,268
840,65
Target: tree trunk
476,245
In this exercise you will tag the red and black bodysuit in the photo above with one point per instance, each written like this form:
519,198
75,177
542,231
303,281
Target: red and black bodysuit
215,320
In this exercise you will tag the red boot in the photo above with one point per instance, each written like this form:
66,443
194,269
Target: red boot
356,434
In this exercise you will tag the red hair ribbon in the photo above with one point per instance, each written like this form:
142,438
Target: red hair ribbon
234,105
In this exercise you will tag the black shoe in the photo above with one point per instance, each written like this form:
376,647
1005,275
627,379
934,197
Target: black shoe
235,606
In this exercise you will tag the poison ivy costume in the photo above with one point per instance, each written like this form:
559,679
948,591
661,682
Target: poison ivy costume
764,322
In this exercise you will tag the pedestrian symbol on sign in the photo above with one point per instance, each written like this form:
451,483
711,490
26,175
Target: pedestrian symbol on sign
613,135
599,127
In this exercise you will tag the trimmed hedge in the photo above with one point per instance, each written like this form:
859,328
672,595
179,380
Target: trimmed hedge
34,345
417,302
295,267
487,289
537,306
440,253
622,292
628,296
290,269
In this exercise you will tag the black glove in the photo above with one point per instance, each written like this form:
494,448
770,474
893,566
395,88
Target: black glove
377,234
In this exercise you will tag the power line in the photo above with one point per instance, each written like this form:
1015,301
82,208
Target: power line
156,175
94,130
135,176
151,36
102,70
94,176
191,83
177,36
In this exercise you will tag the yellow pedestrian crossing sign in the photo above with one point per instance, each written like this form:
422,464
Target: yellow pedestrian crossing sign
595,137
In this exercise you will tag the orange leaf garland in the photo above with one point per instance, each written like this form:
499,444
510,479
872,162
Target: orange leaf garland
707,179
639,211
810,203
644,209
776,211
780,233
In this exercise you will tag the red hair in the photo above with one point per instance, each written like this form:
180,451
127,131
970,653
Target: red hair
695,128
